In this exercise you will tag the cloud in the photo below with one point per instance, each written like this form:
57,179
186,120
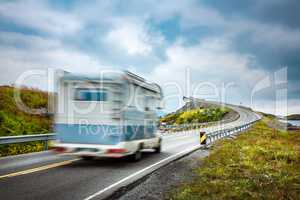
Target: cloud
278,107
211,62
39,16
134,37
274,12
23,41
35,52
191,12
274,36
220,42
210,57
277,37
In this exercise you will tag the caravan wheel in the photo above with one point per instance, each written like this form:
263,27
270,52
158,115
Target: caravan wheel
137,156
158,148
87,157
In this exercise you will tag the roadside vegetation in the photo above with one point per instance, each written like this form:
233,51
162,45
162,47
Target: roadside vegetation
195,116
14,121
293,117
263,163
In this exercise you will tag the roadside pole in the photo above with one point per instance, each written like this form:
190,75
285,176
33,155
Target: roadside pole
203,137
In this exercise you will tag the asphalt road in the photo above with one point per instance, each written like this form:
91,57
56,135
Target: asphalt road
48,176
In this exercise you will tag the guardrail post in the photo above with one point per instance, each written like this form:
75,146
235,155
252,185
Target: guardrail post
46,145
203,138
208,140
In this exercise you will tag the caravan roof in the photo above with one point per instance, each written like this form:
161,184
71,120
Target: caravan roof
114,76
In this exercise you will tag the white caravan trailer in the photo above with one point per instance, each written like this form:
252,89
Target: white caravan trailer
113,114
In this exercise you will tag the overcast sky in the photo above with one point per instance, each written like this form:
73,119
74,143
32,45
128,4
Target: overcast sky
244,44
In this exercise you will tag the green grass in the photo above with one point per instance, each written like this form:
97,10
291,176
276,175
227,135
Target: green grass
14,121
195,116
262,163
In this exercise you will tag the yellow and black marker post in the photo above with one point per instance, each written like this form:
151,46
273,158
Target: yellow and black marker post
203,138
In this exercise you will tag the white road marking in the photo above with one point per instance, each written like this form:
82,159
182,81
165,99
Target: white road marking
139,172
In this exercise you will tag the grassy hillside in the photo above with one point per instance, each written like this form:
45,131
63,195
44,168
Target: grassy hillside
262,163
195,116
293,117
14,121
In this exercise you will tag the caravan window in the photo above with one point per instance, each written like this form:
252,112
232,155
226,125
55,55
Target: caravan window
85,94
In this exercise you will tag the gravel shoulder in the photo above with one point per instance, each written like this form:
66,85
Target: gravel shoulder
158,184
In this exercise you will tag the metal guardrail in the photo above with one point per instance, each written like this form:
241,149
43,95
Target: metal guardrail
193,126
212,136
183,127
215,135
28,138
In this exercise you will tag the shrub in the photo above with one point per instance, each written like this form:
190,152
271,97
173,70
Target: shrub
14,121
196,116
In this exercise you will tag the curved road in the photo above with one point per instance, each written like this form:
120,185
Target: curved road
48,176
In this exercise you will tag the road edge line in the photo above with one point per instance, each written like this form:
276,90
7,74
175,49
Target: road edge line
142,173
